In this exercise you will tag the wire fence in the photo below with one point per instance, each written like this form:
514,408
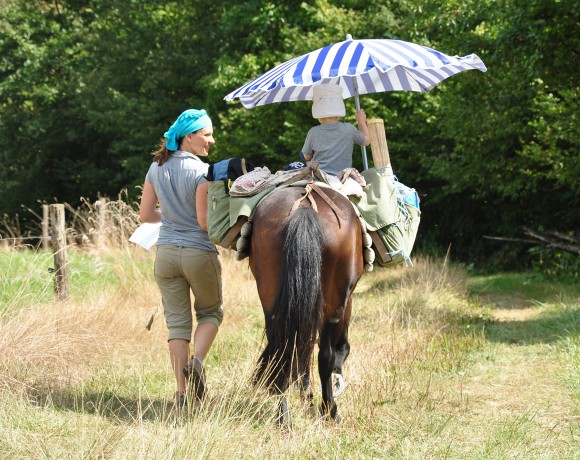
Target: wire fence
100,225
21,238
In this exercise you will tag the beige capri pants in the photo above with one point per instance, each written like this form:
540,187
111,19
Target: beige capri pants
179,269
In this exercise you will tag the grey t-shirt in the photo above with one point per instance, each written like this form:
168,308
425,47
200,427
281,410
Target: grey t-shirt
331,144
175,183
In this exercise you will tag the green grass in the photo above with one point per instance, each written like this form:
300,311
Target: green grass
26,277
534,287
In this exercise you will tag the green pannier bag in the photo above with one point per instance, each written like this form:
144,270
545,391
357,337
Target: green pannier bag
218,211
226,213
391,212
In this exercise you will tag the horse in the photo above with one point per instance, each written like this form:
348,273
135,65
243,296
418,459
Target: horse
306,257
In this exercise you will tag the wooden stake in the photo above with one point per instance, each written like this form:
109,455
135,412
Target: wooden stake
379,146
57,227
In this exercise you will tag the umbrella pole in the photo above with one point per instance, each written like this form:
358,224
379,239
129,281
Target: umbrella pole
357,106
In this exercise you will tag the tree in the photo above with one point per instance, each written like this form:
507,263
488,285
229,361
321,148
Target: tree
511,138
87,89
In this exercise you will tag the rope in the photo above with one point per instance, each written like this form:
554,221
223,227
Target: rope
308,189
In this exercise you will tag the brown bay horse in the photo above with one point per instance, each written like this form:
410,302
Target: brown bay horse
306,263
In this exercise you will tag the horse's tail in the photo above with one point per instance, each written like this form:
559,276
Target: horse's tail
293,321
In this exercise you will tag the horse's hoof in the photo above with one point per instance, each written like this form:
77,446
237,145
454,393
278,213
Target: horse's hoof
285,421
338,385
331,416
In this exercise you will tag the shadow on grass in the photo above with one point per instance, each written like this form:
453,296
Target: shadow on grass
126,410
547,328
527,320
527,309
106,404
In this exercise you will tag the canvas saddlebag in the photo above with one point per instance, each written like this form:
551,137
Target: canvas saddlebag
220,177
391,212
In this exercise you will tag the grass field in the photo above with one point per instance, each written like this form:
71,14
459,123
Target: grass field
443,365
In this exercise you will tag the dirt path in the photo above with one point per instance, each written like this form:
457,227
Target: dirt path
521,379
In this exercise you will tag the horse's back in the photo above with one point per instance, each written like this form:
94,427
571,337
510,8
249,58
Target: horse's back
274,211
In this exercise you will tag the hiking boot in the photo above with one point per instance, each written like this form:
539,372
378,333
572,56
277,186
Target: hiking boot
195,375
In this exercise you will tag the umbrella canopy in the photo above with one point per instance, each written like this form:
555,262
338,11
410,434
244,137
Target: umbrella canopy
359,67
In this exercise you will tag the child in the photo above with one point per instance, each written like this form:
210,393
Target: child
330,144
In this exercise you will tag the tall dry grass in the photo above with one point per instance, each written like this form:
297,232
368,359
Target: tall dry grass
84,225
61,343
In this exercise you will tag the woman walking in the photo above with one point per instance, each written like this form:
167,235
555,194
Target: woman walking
185,259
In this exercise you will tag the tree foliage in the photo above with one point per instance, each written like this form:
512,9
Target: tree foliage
87,89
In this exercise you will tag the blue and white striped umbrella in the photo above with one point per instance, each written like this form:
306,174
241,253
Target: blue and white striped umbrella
360,67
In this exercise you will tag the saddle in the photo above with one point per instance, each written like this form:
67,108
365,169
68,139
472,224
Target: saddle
239,235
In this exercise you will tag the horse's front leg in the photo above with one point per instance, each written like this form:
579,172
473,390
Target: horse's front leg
326,358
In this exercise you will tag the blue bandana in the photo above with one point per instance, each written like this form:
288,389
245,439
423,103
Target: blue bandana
188,122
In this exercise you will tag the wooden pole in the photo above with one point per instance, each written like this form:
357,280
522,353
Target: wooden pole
101,206
45,243
380,150
57,227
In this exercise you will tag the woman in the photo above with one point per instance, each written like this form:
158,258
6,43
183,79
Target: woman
185,259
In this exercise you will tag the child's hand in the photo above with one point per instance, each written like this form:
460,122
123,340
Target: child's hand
361,116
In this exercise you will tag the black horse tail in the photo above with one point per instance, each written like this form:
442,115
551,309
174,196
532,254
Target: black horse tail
293,321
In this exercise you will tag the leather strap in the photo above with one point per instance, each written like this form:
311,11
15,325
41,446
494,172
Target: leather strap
309,189
339,212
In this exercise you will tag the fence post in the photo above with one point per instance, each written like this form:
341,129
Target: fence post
57,226
45,243
101,206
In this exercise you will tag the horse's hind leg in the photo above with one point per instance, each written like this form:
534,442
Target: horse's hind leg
326,360
341,351
284,419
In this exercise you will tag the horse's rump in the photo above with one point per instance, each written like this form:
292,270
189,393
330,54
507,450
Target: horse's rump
306,264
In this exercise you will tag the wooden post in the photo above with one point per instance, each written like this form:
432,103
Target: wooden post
57,227
379,146
45,243
101,206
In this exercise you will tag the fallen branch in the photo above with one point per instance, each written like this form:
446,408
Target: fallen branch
555,240
551,239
